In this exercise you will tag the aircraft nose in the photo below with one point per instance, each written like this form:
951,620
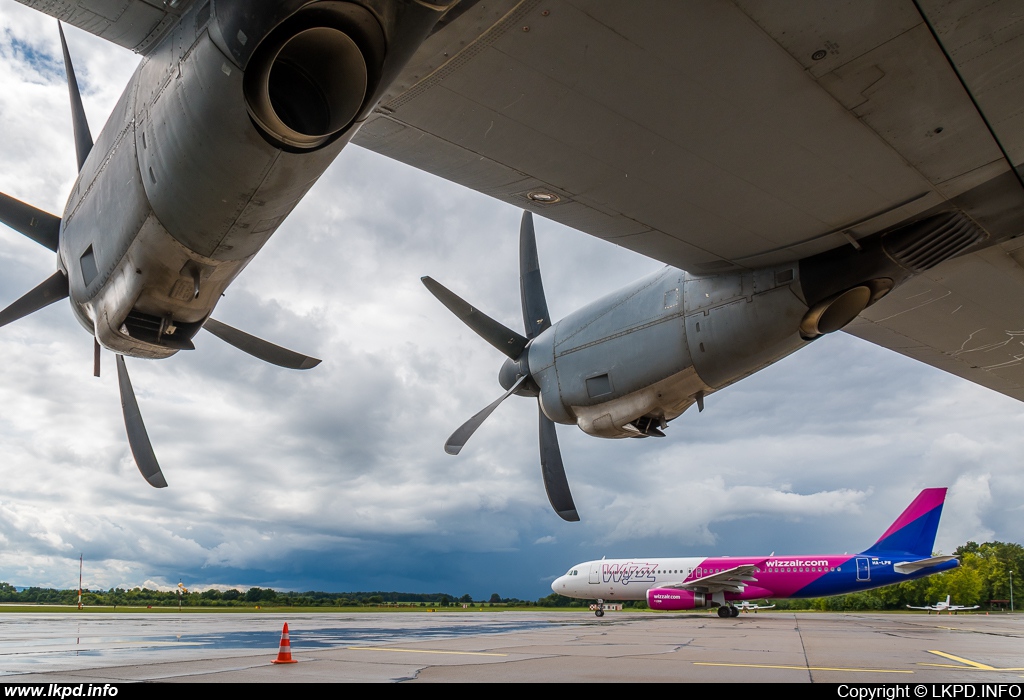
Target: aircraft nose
555,585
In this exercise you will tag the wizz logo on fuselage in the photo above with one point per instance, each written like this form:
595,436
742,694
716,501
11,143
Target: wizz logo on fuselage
630,572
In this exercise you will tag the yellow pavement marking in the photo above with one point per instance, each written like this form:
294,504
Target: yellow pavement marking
803,668
966,663
427,651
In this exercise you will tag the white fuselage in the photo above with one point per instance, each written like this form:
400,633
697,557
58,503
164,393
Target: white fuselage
629,579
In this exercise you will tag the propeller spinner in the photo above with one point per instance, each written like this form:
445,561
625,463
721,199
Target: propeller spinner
515,373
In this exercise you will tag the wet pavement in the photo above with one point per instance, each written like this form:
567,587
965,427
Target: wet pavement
513,646
66,641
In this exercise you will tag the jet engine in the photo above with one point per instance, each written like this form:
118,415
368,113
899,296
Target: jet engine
675,599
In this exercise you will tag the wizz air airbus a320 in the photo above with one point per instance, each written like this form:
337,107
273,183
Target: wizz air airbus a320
902,553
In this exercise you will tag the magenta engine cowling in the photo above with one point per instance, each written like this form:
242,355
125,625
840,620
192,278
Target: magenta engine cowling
675,599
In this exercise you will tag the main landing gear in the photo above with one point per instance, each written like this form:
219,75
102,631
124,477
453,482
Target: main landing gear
728,611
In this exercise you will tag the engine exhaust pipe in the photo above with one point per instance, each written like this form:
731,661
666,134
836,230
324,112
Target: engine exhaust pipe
303,88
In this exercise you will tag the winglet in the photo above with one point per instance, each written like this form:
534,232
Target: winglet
914,531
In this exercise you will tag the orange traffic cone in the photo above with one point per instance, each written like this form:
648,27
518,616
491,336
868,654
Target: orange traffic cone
284,656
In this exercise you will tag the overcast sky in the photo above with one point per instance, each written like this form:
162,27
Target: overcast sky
335,479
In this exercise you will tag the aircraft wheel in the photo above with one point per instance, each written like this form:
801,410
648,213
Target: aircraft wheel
599,613
723,611
734,611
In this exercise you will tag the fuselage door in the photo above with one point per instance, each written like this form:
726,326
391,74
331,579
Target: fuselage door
863,569
595,572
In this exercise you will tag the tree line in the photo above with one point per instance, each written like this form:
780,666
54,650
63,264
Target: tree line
142,597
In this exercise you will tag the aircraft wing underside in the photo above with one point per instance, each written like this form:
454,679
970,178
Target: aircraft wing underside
964,316
732,580
133,24
717,135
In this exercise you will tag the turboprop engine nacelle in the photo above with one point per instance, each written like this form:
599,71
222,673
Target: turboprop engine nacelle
630,362
223,129
635,359
675,599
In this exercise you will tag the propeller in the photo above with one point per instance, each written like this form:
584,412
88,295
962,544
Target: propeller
45,229
52,290
83,137
41,226
515,373
138,438
259,348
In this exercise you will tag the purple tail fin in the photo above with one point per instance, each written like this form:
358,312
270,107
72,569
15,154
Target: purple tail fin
914,531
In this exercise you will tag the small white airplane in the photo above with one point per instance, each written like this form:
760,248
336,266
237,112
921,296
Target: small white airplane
945,606
746,605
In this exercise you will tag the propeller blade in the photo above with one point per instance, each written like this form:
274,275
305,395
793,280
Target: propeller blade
535,306
138,438
42,227
52,290
553,471
507,341
461,436
259,348
83,137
